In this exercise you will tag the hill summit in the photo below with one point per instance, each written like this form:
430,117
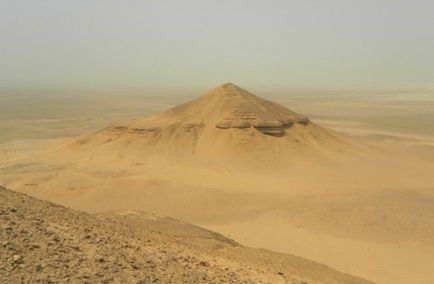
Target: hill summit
229,106
227,123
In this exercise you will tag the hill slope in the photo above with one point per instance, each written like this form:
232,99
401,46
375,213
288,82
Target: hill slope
44,242
225,125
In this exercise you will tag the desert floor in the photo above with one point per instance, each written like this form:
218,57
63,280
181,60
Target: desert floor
370,214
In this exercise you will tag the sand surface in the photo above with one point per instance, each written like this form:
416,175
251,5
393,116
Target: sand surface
360,200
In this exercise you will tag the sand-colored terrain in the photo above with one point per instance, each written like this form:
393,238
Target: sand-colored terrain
352,187
227,126
42,242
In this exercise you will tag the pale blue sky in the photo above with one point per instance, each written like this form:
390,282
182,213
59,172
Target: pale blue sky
333,44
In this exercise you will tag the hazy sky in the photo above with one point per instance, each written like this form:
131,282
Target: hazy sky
334,44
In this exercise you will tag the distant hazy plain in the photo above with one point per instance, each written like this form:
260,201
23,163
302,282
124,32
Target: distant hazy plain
51,114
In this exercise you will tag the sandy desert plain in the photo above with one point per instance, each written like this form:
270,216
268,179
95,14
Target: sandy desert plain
352,187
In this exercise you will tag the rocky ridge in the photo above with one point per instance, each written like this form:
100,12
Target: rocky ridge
41,242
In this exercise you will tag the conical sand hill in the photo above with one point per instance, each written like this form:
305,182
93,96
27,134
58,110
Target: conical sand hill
226,124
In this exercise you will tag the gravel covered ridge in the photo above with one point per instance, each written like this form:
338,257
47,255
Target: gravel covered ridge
41,242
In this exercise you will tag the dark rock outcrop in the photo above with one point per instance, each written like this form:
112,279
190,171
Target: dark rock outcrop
287,122
241,124
274,127
223,125
187,127
303,121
